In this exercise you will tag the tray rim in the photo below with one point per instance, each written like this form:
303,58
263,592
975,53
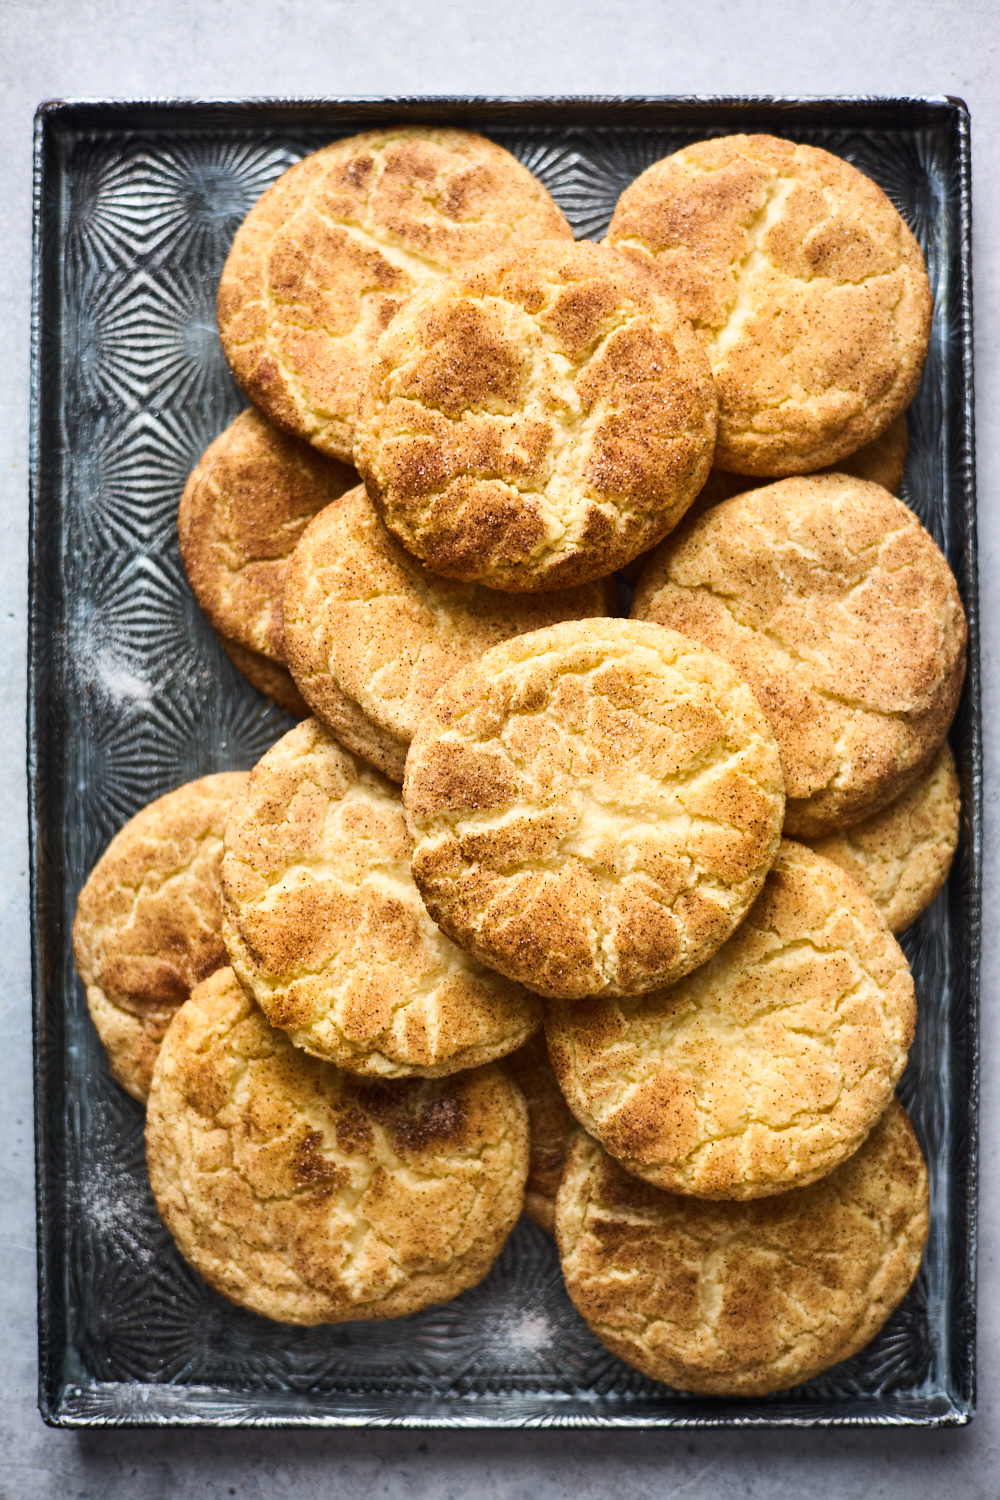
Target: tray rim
63,1405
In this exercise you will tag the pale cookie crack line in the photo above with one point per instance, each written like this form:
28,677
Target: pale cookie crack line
571,418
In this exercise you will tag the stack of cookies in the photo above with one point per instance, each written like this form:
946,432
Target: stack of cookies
539,907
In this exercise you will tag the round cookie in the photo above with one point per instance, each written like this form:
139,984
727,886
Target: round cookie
148,921
267,676
243,509
734,1299
313,1197
552,1126
807,287
595,807
331,251
370,635
326,930
902,855
766,1067
537,421
832,601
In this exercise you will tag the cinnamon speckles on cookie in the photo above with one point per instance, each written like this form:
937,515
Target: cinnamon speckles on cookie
244,507
738,1299
371,635
901,856
808,289
149,922
766,1067
552,1127
328,255
830,599
326,929
311,1196
595,807
537,421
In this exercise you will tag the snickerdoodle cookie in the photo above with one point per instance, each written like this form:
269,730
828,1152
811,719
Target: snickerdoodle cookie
902,855
595,806
148,921
371,635
537,421
330,252
327,931
764,1068
807,287
243,509
314,1197
552,1126
738,1299
832,601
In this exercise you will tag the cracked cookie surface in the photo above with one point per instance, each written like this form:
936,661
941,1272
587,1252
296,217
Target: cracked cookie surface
326,929
537,421
244,507
902,855
734,1299
595,806
371,635
836,606
764,1068
311,1196
149,921
807,287
552,1126
326,257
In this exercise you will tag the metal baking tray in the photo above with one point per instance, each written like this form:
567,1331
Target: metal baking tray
129,695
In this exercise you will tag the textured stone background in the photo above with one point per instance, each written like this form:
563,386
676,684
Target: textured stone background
147,48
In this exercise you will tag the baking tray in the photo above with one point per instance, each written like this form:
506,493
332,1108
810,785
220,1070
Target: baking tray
129,695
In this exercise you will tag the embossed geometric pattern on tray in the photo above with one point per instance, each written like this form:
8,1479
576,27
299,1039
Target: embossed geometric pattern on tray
150,700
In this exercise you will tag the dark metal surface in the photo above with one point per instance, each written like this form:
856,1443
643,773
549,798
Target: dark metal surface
129,695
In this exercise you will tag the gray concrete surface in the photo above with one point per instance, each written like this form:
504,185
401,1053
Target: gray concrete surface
141,48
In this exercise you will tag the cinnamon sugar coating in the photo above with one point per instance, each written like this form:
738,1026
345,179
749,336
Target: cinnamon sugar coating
830,599
901,856
807,287
552,1126
739,1299
326,929
310,1196
149,921
244,507
537,421
765,1067
595,807
371,635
